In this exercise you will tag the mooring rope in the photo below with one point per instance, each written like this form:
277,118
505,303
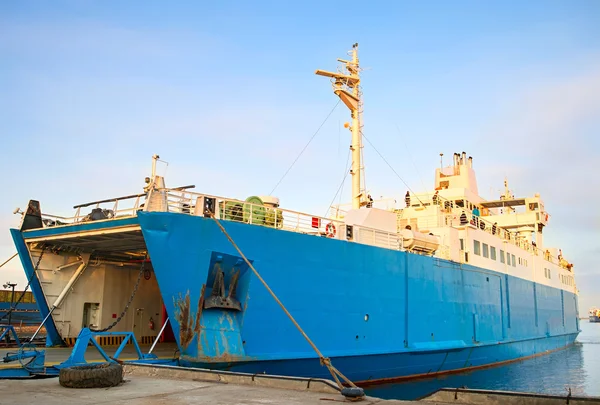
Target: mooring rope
325,361
9,259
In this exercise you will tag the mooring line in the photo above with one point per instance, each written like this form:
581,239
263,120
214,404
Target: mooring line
325,361
9,259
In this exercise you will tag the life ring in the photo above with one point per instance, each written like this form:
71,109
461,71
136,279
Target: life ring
546,217
330,230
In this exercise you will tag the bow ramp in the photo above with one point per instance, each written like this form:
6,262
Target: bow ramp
92,271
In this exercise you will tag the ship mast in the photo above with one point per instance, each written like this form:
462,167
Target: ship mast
346,87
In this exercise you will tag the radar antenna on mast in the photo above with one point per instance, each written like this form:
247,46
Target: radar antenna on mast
346,87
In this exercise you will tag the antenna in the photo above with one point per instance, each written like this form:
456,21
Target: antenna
441,161
346,87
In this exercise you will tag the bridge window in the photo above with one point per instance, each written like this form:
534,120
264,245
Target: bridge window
477,247
502,256
514,263
493,252
486,251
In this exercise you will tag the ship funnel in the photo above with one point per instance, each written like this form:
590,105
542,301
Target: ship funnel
463,159
471,162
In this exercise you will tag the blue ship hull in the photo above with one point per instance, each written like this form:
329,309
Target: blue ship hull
374,369
380,314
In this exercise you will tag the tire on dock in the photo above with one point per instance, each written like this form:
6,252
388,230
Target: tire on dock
91,376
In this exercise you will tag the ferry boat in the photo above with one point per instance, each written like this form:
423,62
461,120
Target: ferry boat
594,314
448,281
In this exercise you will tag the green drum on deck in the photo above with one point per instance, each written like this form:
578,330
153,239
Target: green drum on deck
233,211
274,218
254,211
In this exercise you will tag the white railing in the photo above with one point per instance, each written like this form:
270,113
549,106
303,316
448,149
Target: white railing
374,237
478,222
257,214
451,216
120,207
187,202
419,223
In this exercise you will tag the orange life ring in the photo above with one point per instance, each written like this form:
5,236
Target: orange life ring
330,230
546,217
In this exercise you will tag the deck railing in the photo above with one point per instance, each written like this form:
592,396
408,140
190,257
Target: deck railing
450,216
188,202
180,200
374,237
119,207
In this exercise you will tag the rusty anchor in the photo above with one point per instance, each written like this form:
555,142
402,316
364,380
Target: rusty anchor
218,299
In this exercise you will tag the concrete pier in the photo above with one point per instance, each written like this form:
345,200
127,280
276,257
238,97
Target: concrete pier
147,390
160,384
150,384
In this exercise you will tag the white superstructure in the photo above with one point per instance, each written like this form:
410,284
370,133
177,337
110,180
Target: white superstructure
454,222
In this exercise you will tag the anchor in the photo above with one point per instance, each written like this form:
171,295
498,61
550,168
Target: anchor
217,298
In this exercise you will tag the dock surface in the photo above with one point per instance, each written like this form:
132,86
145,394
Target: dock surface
139,390
151,384
166,384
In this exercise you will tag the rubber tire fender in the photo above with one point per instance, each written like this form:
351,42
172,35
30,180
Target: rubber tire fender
91,376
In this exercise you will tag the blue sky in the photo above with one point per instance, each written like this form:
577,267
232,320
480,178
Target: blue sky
226,93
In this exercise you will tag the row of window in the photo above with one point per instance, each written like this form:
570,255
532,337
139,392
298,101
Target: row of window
489,252
567,280
483,249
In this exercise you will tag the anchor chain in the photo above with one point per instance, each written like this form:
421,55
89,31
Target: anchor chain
137,284
37,265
